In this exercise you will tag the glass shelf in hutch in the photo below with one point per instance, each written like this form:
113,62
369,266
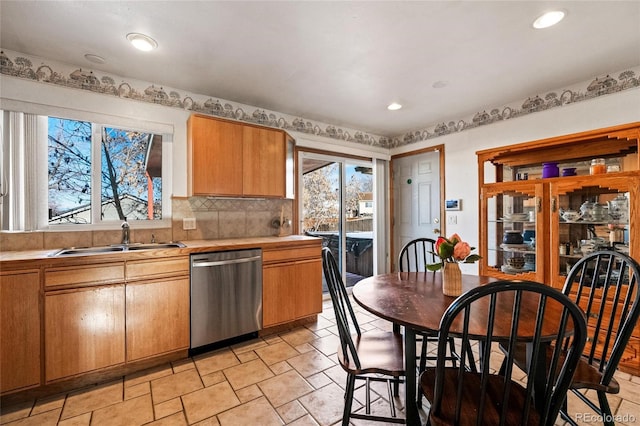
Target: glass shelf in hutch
544,204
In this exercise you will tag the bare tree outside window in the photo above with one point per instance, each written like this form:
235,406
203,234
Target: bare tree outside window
321,202
130,173
69,169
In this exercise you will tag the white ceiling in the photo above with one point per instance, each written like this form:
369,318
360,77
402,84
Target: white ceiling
339,63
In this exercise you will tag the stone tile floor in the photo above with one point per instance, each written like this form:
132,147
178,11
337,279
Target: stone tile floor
288,378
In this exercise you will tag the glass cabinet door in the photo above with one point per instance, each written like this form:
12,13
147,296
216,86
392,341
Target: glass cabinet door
511,244
586,216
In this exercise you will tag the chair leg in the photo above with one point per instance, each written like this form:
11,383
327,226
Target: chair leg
605,409
348,399
423,356
452,349
564,414
471,358
421,368
367,396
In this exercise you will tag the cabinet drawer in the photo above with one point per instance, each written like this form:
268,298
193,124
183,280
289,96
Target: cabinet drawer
153,268
291,254
106,273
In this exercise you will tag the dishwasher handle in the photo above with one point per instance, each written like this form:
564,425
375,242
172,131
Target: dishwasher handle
204,264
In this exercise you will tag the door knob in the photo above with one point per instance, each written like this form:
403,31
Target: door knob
436,231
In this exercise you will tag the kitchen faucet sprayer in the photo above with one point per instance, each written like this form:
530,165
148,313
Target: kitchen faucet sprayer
125,232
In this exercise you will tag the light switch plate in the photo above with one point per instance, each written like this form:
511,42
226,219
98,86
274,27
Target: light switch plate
188,223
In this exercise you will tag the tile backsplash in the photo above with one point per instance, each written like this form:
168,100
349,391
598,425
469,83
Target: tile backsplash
216,218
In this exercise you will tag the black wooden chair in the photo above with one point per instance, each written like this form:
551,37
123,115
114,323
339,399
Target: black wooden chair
413,257
462,397
612,277
371,356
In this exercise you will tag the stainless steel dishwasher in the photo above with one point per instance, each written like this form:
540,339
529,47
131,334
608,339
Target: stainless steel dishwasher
226,296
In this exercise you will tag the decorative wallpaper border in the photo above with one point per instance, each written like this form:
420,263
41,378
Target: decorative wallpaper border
22,67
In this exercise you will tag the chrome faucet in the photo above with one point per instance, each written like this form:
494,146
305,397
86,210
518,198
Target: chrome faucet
125,232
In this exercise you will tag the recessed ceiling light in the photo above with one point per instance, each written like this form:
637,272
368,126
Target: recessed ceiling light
549,19
142,42
94,58
394,106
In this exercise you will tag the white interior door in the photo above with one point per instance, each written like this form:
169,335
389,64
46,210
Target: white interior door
416,189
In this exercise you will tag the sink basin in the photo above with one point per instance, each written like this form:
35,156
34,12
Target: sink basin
116,248
87,250
154,246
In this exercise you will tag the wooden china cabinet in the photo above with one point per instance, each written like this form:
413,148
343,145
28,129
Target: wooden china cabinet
535,226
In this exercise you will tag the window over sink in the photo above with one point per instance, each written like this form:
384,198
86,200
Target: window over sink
129,166
68,173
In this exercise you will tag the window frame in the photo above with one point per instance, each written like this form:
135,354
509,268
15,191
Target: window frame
38,193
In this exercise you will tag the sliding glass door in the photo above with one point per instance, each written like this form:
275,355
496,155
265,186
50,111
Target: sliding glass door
337,204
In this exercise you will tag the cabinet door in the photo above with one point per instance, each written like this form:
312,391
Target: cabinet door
20,331
157,317
84,330
264,165
596,226
512,234
215,157
278,294
308,288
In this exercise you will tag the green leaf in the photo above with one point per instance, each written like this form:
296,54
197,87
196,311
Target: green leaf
472,258
445,251
434,267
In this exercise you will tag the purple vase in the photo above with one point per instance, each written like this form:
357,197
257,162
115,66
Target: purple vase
550,170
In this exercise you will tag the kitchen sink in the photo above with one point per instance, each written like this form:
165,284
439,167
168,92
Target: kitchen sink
155,246
116,248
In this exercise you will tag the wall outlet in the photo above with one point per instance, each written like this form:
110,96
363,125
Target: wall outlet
188,223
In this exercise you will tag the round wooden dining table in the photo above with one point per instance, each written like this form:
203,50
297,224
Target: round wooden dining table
415,300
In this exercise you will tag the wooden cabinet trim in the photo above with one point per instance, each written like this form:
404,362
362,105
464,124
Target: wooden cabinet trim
87,275
155,268
289,255
616,140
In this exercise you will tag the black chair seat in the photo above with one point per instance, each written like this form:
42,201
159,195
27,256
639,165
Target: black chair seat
506,312
471,395
370,356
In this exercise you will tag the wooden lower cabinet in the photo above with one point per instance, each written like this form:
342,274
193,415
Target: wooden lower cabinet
278,294
291,285
157,317
84,330
20,331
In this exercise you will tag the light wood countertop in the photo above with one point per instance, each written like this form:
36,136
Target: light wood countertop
37,258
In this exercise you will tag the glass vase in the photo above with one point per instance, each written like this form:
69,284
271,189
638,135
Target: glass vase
451,279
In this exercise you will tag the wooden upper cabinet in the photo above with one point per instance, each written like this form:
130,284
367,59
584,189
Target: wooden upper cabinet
214,154
263,162
226,158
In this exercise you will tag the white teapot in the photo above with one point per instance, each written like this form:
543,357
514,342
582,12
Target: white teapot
619,208
592,212
570,215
